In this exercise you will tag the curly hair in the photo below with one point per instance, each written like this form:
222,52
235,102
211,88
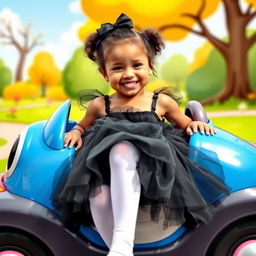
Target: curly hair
95,45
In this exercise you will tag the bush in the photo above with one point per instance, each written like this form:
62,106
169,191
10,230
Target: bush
21,90
56,93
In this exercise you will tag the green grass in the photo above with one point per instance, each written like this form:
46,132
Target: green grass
35,114
2,142
3,163
231,104
242,126
24,102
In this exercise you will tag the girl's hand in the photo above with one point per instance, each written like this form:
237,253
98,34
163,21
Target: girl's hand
194,126
73,137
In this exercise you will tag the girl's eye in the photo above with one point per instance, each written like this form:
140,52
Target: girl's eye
117,68
136,65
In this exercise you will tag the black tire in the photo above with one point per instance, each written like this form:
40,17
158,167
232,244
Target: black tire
21,243
228,241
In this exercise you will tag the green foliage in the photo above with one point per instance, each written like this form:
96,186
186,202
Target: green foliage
5,76
252,66
175,70
208,80
81,73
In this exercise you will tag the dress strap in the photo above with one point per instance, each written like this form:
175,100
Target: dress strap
154,100
107,104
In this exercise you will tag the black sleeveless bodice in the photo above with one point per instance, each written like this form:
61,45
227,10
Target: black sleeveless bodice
132,114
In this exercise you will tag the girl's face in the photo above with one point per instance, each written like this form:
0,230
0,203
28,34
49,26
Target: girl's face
126,66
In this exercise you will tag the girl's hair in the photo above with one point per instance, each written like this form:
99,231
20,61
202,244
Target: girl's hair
94,45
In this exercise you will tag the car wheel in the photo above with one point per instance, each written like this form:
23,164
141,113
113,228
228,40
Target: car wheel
16,244
239,240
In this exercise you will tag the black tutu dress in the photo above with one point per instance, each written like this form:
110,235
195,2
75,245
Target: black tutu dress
169,179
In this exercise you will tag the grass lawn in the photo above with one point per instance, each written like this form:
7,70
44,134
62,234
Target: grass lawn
242,126
3,163
34,114
2,142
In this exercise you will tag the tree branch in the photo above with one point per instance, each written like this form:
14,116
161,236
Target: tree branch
249,15
220,45
35,42
162,28
12,37
249,8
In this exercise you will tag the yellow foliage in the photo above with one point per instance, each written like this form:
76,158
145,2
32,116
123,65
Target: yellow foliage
21,90
56,93
149,13
200,57
43,71
156,84
111,91
251,2
89,27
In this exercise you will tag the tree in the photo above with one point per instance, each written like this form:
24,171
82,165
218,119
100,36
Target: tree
200,56
175,19
207,80
175,70
43,72
10,37
5,76
81,73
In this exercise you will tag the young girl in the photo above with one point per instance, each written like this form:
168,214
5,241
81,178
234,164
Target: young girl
128,155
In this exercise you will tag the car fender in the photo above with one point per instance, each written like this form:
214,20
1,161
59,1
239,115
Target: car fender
28,216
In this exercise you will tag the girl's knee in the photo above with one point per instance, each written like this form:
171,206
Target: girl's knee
124,150
102,198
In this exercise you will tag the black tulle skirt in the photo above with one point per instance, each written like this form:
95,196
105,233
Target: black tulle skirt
169,179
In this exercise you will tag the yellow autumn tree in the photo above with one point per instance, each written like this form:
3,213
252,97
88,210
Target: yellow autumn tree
200,57
176,19
43,72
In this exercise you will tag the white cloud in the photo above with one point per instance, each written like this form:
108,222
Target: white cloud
63,49
70,37
8,16
75,7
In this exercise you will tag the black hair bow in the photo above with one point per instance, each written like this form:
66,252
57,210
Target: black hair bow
122,21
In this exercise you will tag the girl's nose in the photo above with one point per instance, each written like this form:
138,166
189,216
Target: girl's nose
128,72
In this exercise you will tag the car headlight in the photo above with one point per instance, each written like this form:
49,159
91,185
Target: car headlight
15,153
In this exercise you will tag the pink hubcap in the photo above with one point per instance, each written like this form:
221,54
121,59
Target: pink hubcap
10,253
246,248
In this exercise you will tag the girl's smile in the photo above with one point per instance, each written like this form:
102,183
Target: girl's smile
126,66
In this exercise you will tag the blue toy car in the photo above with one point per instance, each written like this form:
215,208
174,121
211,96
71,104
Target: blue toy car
30,226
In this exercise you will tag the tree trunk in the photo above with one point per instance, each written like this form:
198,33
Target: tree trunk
236,56
20,66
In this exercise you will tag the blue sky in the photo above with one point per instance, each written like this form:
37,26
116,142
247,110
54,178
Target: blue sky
58,21
51,17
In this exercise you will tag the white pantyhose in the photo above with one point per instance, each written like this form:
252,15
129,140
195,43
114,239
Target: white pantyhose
115,212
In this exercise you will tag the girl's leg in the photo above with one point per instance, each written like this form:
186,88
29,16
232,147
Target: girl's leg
102,214
125,195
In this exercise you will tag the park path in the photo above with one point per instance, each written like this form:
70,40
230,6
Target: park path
9,132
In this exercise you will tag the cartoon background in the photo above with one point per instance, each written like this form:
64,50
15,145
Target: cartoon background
210,56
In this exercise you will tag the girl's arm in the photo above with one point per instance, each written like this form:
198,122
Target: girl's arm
173,113
75,135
